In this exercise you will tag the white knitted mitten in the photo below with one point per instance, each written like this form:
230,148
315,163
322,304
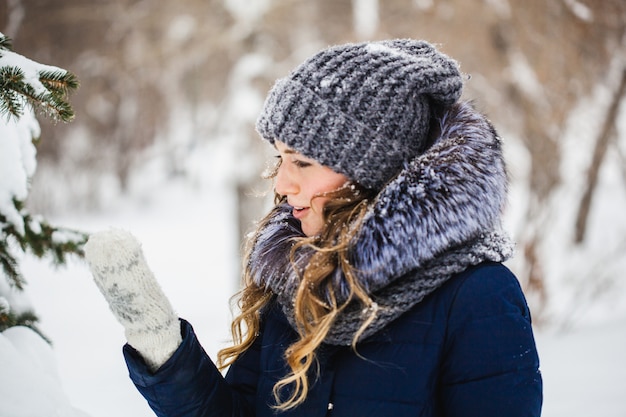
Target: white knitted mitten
135,297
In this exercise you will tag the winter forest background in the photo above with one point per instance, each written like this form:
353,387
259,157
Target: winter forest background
163,144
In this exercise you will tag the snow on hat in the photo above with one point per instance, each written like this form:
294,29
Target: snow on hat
361,109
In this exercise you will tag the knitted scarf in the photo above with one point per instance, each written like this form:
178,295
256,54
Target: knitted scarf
438,217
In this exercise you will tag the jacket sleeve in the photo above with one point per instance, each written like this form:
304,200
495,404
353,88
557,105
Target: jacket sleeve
490,365
189,384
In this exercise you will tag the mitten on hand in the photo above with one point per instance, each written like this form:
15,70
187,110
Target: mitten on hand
135,297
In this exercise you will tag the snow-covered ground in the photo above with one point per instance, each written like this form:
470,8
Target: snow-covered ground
583,371
189,242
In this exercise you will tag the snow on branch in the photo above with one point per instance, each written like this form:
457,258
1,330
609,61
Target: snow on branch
25,81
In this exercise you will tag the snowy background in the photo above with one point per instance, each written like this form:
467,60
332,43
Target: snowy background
180,85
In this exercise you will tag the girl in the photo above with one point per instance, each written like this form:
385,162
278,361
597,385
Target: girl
374,287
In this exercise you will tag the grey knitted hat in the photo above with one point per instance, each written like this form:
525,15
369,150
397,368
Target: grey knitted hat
361,109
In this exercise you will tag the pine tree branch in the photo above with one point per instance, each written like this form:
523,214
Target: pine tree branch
52,101
40,239
60,83
27,319
9,266
6,43
10,102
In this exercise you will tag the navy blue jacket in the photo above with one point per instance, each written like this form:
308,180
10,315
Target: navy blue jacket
466,350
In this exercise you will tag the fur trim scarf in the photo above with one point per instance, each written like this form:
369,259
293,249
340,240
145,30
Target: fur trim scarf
439,216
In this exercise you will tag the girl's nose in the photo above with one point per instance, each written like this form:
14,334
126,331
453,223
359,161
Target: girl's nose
284,183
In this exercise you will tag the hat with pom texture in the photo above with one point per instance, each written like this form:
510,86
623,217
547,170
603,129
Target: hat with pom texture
361,109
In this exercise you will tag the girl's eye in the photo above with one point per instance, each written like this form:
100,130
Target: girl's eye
301,164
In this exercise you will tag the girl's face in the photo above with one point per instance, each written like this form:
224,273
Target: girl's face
301,179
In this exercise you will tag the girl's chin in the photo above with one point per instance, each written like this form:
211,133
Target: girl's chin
309,229
310,221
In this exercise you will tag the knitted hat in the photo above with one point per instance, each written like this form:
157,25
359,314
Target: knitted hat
361,109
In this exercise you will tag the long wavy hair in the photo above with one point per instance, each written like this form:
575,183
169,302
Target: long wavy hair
316,307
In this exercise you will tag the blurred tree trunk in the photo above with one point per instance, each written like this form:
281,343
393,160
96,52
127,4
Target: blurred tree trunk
602,144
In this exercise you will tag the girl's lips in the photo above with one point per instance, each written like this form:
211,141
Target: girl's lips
299,212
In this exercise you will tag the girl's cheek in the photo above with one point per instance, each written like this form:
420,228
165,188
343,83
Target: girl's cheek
319,203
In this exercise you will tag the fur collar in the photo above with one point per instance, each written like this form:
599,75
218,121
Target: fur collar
444,198
444,207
